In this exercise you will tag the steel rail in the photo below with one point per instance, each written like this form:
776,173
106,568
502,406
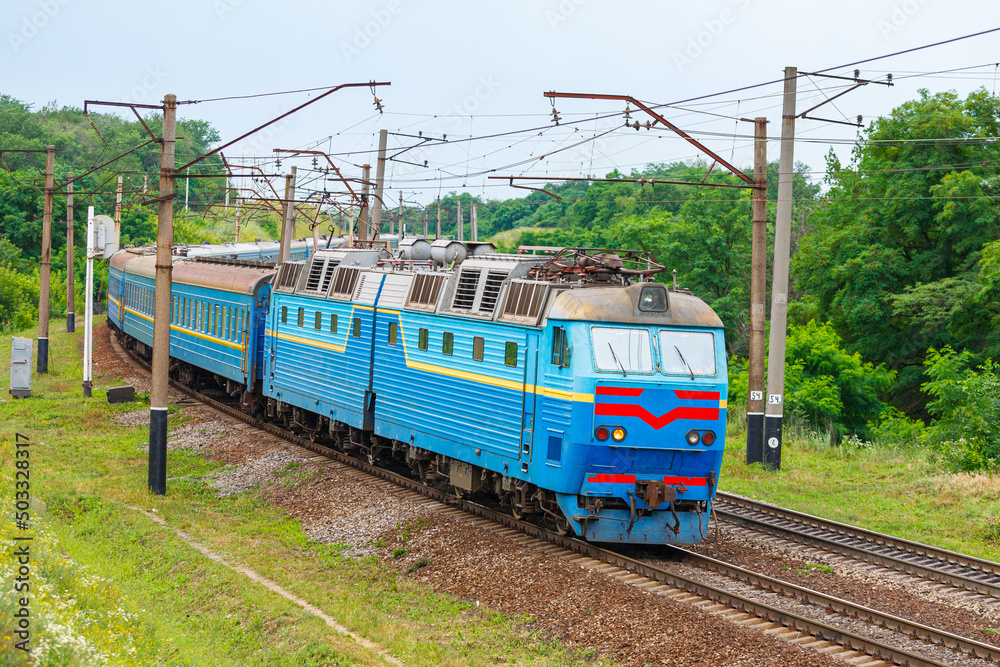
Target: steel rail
922,560
809,626
838,605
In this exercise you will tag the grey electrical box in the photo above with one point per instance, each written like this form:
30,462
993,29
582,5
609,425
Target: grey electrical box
20,368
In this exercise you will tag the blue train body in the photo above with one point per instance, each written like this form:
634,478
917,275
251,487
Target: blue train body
597,405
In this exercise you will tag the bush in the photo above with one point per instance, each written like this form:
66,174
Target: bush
18,300
966,403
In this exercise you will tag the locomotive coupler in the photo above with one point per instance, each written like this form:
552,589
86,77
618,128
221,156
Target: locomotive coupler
654,492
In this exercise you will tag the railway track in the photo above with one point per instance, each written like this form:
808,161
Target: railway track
919,560
806,630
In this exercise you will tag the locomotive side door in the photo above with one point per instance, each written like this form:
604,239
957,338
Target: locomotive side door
529,397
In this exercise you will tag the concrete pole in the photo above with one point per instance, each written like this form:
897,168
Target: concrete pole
363,221
425,223
376,208
460,225
118,203
400,214
70,296
758,293
226,206
437,233
238,202
160,375
475,223
46,264
779,286
288,222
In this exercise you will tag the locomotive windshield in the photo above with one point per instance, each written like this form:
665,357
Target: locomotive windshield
687,352
622,350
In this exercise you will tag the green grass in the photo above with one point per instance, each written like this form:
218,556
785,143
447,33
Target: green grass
893,491
88,474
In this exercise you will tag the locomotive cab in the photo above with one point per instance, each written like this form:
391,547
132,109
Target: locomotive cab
643,371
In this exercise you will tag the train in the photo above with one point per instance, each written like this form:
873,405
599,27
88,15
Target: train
567,387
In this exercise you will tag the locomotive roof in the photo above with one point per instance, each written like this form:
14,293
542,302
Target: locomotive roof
239,278
621,305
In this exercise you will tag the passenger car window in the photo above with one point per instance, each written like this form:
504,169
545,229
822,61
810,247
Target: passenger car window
422,339
448,343
622,350
687,352
478,348
393,332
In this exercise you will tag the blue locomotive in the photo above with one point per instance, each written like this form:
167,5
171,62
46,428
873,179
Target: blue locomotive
567,387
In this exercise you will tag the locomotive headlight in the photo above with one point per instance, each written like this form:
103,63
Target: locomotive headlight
708,437
602,433
693,437
618,434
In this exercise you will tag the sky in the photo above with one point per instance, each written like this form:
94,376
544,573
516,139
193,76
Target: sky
471,76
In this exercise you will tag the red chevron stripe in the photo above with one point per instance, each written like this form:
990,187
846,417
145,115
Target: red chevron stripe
625,410
611,479
698,395
686,481
618,391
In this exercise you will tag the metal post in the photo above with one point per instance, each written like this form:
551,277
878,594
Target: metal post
70,281
46,268
88,306
461,225
437,231
288,221
758,293
475,223
779,286
187,187
379,185
363,221
161,306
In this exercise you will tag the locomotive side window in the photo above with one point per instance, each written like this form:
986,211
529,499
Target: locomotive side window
687,352
333,323
510,354
422,339
319,321
622,350
393,332
284,314
448,343
302,316
478,348
357,328
560,348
